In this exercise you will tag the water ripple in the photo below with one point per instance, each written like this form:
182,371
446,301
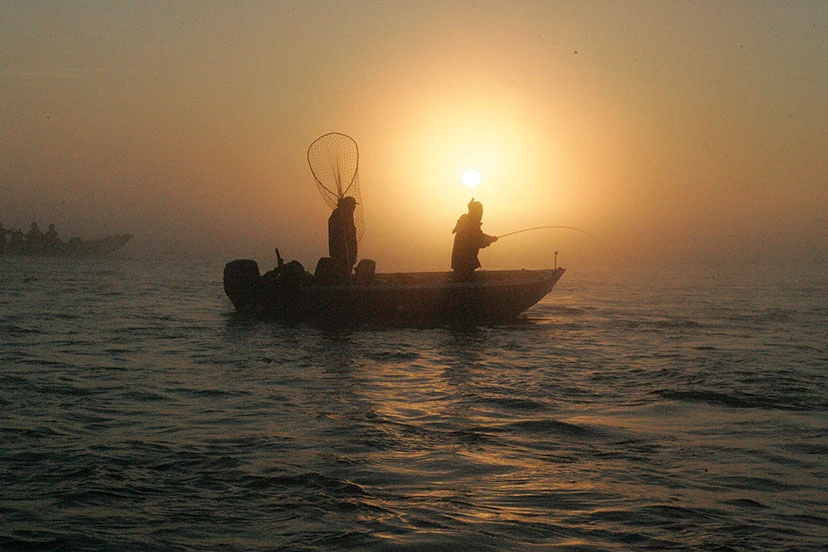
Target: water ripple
642,414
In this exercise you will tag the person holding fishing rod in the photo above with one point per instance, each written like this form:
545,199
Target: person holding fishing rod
468,240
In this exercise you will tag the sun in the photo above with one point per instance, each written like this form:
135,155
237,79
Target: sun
471,178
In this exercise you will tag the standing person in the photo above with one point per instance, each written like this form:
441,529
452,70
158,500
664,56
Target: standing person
50,238
342,238
35,236
468,240
15,239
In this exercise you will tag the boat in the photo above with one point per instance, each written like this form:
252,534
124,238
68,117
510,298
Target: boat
391,299
74,247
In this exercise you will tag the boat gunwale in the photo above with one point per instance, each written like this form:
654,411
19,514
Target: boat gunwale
485,279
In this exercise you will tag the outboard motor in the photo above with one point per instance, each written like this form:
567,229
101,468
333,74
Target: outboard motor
243,284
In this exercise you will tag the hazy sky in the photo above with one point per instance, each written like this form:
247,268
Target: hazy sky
684,132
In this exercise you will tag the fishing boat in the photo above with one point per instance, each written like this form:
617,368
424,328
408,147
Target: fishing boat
74,247
396,299
393,299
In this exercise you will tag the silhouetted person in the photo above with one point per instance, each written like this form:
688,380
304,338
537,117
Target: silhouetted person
342,239
35,236
50,238
468,239
16,237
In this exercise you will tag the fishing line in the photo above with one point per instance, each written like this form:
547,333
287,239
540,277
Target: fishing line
544,227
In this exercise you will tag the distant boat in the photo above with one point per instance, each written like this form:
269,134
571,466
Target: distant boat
74,247
397,299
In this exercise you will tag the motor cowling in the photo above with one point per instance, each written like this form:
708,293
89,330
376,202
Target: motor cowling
243,283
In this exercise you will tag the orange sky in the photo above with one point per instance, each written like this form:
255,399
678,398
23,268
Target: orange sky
678,132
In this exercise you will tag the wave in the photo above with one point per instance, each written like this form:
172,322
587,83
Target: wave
731,400
549,427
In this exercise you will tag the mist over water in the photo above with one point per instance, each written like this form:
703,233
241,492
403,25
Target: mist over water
674,131
631,409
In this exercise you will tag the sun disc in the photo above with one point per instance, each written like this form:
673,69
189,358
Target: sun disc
471,178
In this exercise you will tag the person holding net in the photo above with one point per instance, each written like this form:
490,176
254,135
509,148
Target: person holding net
334,162
342,239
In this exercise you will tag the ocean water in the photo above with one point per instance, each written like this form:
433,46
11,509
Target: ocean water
632,409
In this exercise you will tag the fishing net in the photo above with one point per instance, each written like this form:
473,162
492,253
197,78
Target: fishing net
334,161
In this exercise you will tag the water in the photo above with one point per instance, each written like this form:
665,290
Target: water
633,410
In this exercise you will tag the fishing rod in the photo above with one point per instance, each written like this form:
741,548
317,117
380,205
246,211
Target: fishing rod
544,227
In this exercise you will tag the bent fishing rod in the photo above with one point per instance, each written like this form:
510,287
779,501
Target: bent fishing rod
545,227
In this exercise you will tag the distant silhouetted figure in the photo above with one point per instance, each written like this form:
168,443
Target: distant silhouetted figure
16,237
35,236
342,239
50,238
468,239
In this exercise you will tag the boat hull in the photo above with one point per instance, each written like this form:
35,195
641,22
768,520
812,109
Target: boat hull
71,248
406,299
